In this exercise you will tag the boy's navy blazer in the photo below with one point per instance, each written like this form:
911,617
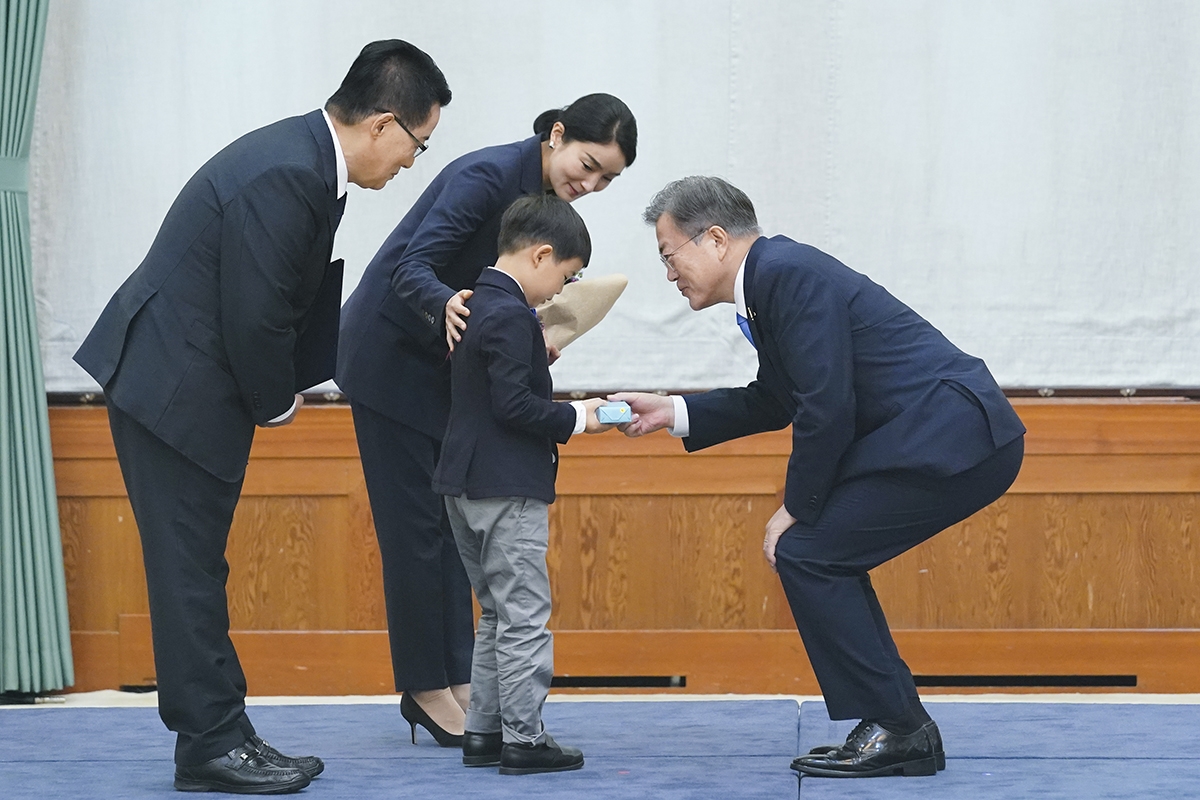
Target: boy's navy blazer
392,349
500,440
200,343
867,385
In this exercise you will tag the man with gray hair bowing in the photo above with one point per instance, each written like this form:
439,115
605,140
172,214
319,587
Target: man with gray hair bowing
896,435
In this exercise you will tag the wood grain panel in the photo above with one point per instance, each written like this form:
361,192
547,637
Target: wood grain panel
655,559
1054,561
350,662
658,562
102,560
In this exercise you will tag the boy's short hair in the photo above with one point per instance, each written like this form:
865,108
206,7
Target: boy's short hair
539,219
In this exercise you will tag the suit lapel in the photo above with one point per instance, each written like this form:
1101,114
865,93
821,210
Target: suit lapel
768,348
327,168
531,165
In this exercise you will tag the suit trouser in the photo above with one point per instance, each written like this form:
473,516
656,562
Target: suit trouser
503,543
823,568
183,516
425,589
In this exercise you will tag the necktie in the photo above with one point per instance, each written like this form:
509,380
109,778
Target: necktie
744,324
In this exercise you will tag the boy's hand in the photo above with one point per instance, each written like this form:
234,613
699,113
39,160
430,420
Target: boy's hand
594,425
456,316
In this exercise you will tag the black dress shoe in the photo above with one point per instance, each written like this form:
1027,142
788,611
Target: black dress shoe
938,753
414,715
823,749
243,770
481,749
872,750
309,765
526,759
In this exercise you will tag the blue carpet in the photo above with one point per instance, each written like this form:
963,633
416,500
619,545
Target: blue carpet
673,750
1031,750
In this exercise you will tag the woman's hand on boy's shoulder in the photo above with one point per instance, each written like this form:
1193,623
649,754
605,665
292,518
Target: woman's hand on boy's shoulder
456,316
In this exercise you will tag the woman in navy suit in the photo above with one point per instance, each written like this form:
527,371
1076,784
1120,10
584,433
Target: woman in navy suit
396,332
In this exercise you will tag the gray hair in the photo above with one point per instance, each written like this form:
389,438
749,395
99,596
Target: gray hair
698,202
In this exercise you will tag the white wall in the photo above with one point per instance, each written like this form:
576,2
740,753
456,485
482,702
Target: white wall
1026,174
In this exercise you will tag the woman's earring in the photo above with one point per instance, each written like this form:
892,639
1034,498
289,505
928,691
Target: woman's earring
551,143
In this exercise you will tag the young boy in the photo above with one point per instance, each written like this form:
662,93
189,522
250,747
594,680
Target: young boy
497,470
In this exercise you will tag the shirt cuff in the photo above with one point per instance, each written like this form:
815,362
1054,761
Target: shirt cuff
284,415
580,416
680,429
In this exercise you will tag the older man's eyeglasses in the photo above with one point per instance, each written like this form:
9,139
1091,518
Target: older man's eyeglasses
421,146
665,258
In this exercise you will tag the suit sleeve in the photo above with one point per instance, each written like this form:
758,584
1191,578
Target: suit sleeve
506,343
469,199
724,414
813,331
268,234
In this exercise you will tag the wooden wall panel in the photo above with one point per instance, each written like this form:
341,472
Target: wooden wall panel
654,554
663,562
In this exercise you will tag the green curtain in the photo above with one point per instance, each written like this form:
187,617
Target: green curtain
35,636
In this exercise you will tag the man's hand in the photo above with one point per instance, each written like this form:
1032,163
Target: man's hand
456,316
552,352
288,419
650,412
780,521
593,424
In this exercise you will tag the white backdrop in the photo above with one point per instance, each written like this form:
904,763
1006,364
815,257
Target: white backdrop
1025,174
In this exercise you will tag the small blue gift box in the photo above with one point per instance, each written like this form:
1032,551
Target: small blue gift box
611,413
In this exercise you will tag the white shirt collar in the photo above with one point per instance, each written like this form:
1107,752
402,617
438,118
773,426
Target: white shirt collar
343,175
739,289
514,280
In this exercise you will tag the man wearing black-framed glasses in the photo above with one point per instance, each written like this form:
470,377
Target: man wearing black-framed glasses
233,311
421,146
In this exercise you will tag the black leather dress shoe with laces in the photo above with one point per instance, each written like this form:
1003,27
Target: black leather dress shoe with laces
938,753
549,756
309,765
243,770
871,750
482,749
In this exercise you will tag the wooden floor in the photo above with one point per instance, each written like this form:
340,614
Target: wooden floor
1085,570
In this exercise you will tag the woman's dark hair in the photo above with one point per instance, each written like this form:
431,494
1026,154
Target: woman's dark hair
538,219
599,118
390,75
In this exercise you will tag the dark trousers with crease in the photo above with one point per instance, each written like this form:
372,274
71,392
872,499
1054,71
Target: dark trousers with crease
183,516
823,568
431,624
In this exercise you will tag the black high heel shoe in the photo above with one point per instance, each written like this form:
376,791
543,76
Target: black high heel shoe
414,715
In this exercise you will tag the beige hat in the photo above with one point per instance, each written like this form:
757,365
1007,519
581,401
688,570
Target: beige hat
579,307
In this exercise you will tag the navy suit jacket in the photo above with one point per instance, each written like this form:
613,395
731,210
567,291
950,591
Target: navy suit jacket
198,344
392,354
866,384
500,440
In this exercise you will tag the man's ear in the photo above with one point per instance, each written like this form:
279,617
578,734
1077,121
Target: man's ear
720,239
543,253
379,122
